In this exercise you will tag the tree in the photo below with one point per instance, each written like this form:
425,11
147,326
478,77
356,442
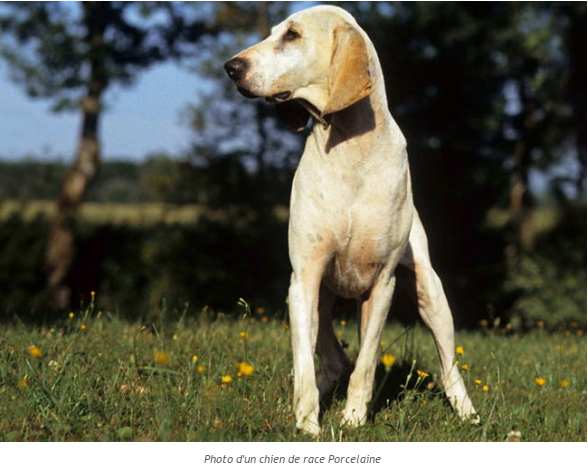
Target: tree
71,53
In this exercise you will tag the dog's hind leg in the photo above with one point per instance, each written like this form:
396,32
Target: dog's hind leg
435,312
335,365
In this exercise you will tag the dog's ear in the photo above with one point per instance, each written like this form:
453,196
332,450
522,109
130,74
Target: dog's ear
349,80
293,114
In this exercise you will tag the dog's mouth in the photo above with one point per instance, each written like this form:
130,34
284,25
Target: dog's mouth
275,98
246,93
279,97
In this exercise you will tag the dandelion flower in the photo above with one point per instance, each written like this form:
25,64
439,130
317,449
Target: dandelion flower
382,343
200,369
574,324
388,361
83,327
260,310
484,322
579,333
343,323
286,327
540,323
161,358
465,367
71,315
243,335
22,383
92,293
264,319
194,358
422,374
540,381
485,388
478,382
459,350
226,379
244,369
564,383
34,351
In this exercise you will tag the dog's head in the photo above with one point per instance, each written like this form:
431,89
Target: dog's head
315,61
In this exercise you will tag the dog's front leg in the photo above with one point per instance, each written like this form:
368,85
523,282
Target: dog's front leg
374,311
303,298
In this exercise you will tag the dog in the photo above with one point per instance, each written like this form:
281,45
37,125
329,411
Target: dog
352,217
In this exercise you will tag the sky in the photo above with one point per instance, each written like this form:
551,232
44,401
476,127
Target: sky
139,120
142,119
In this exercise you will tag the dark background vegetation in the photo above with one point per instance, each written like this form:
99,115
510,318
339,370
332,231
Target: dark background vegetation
491,98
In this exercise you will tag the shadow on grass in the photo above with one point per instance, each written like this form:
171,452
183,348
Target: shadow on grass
388,388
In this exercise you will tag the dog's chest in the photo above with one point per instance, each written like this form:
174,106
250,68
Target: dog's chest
355,265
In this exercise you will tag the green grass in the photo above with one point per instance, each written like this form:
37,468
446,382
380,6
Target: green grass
97,379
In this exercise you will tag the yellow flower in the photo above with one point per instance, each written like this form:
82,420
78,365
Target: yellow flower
540,381
71,314
286,327
478,382
226,379
244,369
194,358
579,333
509,326
422,374
264,319
485,388
484,322
92,293
540,323
343,323
243,335
564,383
559,348
260,310
34,351
200,369
574,324
22,383
459,350
382,343
465,367
161,358
388,361
83,327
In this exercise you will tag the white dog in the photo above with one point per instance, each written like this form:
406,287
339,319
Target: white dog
352,218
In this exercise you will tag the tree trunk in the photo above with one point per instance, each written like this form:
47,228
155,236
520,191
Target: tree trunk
60,251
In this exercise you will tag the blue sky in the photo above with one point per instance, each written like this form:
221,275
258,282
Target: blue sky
139,120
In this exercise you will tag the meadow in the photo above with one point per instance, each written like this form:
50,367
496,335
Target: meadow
214,376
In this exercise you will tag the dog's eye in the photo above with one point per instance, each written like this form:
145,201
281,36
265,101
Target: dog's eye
290,35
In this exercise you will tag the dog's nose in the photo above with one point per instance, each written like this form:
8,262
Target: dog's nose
236,67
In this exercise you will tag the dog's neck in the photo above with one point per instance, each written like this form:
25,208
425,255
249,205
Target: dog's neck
366,122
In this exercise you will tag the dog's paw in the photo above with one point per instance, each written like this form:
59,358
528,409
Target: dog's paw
309,427
352,418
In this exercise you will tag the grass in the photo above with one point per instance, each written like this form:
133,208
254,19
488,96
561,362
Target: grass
96,377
